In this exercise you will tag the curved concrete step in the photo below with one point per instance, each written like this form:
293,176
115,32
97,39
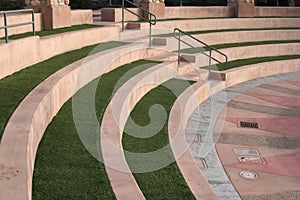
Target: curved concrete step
27,125
114,119
244,52
179,115
225,23
171,43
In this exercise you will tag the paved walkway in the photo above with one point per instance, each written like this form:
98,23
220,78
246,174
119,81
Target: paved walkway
274,104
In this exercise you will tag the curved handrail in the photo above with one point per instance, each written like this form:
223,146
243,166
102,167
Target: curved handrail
150,20
177,30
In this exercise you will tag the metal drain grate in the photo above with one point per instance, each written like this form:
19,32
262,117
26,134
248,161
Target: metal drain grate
248,124
202,162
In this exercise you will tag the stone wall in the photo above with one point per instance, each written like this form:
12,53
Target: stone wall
77,17
276,11
21,53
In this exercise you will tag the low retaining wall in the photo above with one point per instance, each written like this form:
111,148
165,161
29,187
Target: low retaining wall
21,18
115,14
276,11
198,12
229,23
77,17
185,12
21,53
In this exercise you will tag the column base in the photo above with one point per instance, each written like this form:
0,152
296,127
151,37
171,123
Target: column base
56,17
245,10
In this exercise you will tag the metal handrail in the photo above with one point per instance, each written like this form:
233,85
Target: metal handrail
203,43
4,13
150,20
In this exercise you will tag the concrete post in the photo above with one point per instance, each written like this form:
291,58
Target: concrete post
157,7
245,8
56,14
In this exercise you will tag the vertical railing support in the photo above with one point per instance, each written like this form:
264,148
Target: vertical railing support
209,65
150,34
123,5
148,19
211,49
179,56
33,23
5,25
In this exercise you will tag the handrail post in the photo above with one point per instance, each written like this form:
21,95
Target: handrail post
179,40
150,33
33,23
209,63
5,29
123,5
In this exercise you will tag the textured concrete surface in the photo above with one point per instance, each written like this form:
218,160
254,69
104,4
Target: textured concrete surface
202,123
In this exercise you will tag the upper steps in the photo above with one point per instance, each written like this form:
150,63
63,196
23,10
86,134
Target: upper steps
245,52
223,23
231,37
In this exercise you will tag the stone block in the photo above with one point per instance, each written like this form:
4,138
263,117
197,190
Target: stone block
56,17
246,10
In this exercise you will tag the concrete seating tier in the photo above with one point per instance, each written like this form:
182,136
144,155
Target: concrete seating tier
28,123
245,52
15,54
222,23
232,37
113,123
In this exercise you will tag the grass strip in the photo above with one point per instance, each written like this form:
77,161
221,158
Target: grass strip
64,169
15,87
251,61
229,30
54,31
241,44
167,182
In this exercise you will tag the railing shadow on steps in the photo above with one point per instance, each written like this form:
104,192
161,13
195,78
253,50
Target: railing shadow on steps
177,35
151,20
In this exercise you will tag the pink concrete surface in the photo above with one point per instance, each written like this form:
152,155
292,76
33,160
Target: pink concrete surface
280,173
290,102
288,126
286,165
294,82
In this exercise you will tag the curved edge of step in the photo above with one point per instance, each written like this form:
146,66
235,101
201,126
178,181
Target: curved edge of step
122,180
250,72
184,106
29,121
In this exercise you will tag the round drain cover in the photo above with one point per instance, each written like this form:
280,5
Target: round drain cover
249,175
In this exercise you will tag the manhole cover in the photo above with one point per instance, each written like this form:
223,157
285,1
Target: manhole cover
248,124
249,175
245,151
